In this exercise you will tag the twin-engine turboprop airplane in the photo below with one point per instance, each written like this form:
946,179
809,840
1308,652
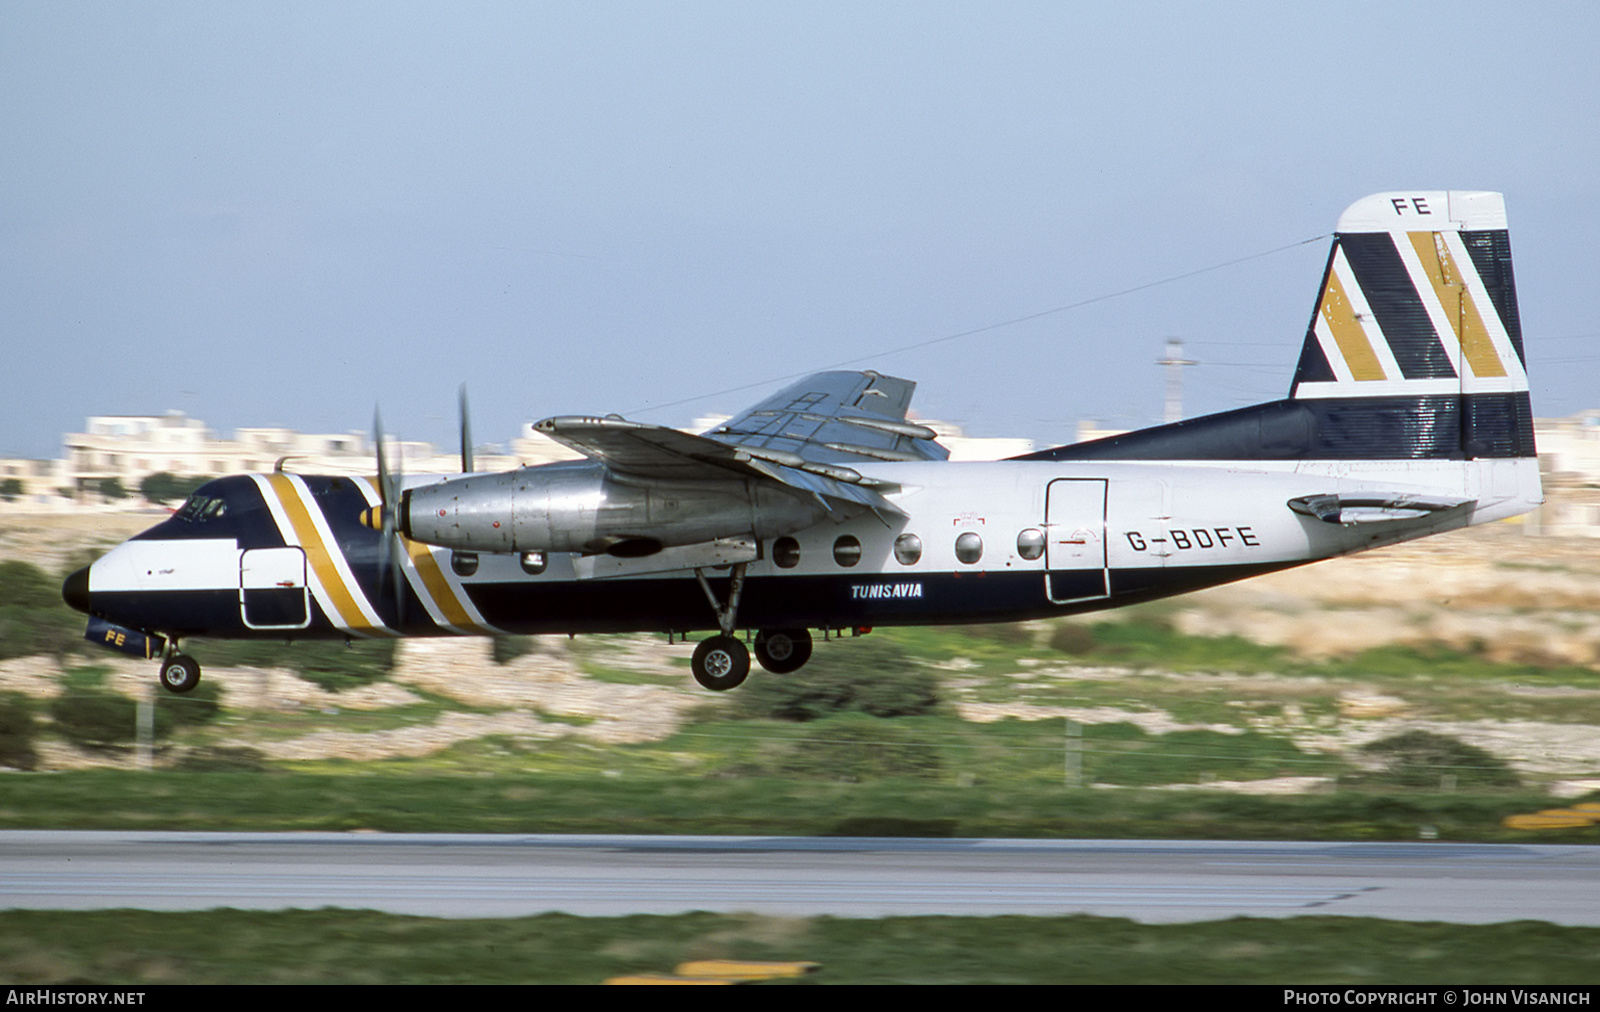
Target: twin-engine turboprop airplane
823,508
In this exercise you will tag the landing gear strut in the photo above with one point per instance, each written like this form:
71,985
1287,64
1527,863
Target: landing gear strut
722,662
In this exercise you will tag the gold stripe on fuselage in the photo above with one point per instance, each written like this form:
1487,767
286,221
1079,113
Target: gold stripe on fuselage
445,604
439,588
341,599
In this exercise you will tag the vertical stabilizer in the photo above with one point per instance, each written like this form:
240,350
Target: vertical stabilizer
1414,351
1417,317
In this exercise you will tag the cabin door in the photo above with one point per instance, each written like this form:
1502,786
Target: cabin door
272,588
1075,541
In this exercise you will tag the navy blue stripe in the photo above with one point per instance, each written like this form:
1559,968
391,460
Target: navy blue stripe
1491,255
247,519
1335,428
676,603
1313,367
1387,286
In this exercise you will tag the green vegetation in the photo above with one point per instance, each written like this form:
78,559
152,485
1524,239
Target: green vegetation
402,796
19,730
34,620
163,487
363,947
1423,759
334,666
876,677
111,488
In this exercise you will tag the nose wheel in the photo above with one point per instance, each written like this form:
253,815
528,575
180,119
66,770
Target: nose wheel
720,663
180,673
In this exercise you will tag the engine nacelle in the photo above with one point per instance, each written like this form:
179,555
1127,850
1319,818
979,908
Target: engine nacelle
579,507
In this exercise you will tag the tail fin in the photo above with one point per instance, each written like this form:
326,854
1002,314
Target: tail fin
1414,350
1417,317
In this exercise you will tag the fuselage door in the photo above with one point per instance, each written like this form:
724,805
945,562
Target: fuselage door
272,588
1075,540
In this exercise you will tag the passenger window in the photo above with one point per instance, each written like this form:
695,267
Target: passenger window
969,548
1030,543
786,553
907,549
847,551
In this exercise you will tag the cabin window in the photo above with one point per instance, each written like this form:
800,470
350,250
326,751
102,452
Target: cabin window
1030,543
907,549
786,553
464,563
847,551
533,563
969,548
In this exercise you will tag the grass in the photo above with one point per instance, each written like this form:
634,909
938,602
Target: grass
402,796
361,947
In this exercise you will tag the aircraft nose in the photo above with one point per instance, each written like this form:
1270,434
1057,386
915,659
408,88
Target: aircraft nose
75,590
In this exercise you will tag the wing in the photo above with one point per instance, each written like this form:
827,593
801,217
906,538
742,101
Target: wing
836,417
798,438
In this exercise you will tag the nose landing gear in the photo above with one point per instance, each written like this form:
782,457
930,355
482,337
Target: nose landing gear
180,673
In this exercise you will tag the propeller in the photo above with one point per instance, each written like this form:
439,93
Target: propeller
385,518
466,434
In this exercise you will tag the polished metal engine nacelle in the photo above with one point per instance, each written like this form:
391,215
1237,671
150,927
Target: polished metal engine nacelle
581,507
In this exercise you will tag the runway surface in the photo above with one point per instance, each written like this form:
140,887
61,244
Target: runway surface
506,876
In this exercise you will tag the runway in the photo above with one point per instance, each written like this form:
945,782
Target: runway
506,876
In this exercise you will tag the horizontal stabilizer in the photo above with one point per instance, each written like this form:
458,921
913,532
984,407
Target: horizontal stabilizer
1373,507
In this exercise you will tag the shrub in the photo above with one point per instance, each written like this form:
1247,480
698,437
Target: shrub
102,719
1071,638
18,730
200,705
508,648
222,759
851,749
334,666
871,676
1423,759
164,487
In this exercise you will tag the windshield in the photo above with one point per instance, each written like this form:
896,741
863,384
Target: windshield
200,508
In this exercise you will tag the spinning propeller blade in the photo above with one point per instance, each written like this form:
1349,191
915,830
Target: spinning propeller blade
466,434
390,549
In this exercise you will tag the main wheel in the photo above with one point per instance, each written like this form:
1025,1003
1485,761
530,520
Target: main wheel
781,651
721,663
180,673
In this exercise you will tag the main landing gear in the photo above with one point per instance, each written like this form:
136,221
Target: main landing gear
722,662
781,651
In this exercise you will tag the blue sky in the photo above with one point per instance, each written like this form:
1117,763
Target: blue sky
284,213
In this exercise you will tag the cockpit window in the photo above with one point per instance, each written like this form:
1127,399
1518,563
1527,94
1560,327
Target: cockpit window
197,509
